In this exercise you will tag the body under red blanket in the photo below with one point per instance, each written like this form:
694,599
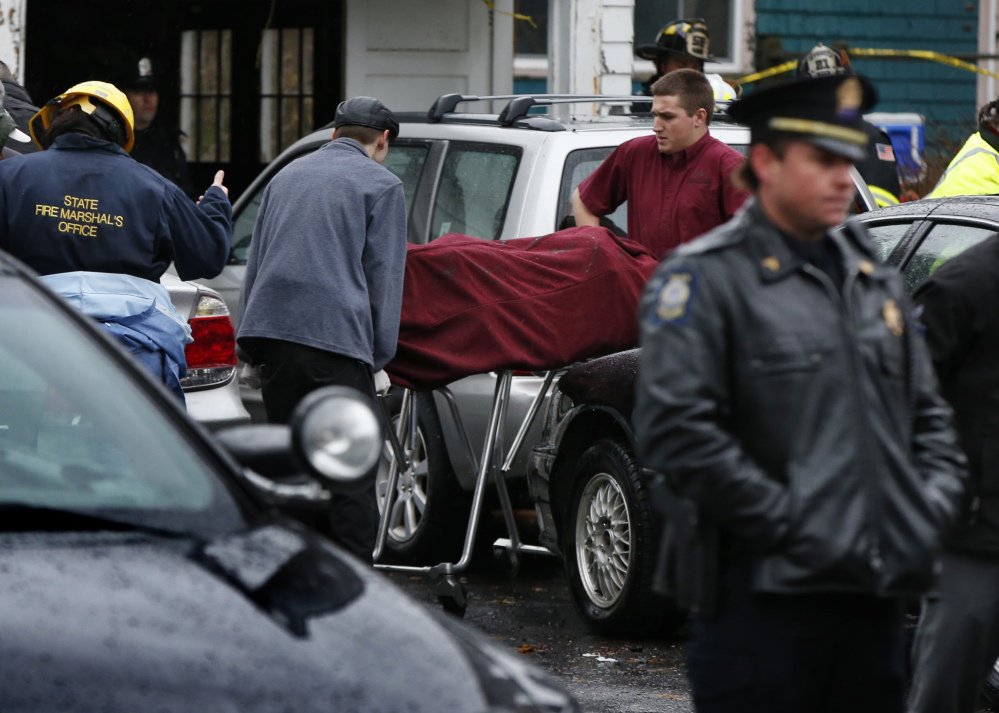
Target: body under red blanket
472,306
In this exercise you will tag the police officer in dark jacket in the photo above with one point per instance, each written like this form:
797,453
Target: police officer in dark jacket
19,105
958,637
157,144
791,407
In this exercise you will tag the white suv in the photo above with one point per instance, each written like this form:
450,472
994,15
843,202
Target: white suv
494,177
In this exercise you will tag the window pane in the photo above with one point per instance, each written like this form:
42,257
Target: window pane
307,49
407,163
225,135
268,130
290,121
944,241
579,165
209,69
188,124
886,236
291,64
528,39
653,15
226,62
208,129
474,190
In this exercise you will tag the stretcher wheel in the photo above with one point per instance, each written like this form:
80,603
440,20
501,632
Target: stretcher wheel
506,560
452,595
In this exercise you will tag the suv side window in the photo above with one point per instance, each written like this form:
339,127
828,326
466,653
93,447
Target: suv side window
944,241
474,190
404,160
578,166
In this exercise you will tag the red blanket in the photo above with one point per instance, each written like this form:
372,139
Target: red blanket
471,306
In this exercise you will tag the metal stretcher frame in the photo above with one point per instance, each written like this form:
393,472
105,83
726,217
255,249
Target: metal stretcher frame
450,591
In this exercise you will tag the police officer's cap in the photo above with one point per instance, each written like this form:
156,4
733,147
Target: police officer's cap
366,111
139,77
826,111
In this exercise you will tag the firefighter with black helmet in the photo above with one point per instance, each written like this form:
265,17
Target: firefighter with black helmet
879,170
683,44
101,229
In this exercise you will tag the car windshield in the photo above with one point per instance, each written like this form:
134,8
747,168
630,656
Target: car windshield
79,433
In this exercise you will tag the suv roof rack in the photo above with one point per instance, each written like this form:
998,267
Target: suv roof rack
519,105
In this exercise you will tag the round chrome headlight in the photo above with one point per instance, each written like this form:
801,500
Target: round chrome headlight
337,433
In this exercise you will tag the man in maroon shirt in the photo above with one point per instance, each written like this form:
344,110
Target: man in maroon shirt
676,182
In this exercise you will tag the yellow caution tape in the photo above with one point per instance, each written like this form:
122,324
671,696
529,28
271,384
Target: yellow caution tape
514,15
866,52
923,54
779,69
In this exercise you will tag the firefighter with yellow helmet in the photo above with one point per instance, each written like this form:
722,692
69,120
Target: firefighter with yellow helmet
683,44
101,229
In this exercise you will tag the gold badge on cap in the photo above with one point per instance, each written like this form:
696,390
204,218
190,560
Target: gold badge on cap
849,97
771,263
674,296
893,318
865,266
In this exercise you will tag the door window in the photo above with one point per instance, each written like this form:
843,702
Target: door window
404,160
474,190
944,241
886,236
578,165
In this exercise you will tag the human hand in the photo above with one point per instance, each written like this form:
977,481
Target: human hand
217,182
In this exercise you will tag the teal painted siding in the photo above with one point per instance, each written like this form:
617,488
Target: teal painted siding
944,95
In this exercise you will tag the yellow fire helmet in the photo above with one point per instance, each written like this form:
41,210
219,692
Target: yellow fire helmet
112,112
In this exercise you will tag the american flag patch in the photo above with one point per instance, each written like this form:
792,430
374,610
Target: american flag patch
885,152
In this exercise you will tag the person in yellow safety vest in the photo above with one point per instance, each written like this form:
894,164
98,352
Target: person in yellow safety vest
879,170
683,44
975,169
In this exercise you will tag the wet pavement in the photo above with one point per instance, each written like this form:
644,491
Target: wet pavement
532,614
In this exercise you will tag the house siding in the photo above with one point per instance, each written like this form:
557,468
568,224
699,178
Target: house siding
944,95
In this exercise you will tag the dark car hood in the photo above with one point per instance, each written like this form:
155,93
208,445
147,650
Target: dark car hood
127,621
608,381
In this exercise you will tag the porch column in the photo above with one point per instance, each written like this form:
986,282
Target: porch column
590,46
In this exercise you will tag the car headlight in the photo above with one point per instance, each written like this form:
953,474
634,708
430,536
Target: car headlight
337,433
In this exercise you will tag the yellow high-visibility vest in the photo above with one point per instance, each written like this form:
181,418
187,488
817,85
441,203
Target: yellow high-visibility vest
973,172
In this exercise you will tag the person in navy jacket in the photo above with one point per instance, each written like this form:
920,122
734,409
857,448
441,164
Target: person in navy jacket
83,205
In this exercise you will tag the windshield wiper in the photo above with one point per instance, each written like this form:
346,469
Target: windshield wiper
24,517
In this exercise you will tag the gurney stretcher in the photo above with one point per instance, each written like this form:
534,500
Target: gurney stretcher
450,592
472,306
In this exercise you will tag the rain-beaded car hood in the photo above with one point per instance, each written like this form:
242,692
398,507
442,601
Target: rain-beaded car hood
275,619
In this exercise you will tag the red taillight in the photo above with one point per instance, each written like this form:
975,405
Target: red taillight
214,343
211,357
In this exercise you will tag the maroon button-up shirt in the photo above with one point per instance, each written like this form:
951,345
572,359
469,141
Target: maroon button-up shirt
671,199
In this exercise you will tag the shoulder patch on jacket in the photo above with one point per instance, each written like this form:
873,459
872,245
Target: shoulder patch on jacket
674,298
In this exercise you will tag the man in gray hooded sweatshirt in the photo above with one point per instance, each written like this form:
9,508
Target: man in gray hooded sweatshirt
322,294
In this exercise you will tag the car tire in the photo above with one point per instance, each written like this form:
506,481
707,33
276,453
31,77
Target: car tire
430,511
609,537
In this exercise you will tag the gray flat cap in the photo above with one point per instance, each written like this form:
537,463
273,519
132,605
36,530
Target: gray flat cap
366,111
